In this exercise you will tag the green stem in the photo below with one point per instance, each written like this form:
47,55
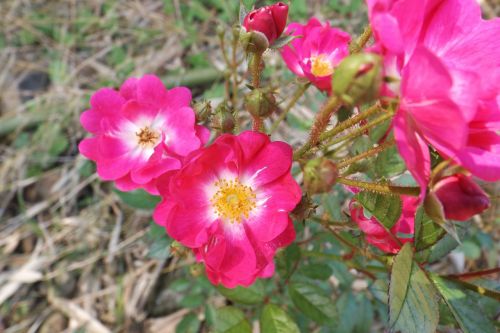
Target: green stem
380,187
357,132
255,72
348,161
478,289
340,127
319,125
301,89
361,41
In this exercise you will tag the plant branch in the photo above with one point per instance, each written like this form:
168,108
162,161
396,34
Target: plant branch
380,187
361,41
301,89
348,161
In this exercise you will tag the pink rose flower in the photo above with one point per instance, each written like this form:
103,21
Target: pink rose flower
316,53
448,61
461,197
377,235
230,204
268,20
140,132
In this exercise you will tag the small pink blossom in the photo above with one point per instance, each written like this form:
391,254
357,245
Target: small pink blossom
140,132
377,235
230,203
448,61
315,54
268,20
460,197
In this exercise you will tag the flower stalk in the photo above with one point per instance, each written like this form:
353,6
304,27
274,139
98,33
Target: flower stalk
380,187
301,89
375,150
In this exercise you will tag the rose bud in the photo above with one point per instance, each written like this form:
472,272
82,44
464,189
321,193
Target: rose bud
260,103
461,197
320,175
268,20
358,78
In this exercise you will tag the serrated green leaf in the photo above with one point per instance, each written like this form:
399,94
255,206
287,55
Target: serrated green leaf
231,320
189,324
286,261
445,245
389,163
464,308
313,302
412,298
139,199
427,232
316,271
386,208
275,320
252,295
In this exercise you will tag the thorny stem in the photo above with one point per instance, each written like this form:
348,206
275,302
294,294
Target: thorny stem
234,72
342,126
361,41
348,161
319,125
473,275
380,187
301,89
255,71
355,133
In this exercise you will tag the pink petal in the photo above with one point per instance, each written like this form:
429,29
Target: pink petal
268,224
107,101
150,90
272,162
413,150
154,169
129,88
89,148
135,111
182,138
179,97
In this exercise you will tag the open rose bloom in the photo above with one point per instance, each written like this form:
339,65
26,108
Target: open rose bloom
230,204
447,59
316,52
140,132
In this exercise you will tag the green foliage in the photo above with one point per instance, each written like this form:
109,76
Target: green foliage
464,307
189,324
252,295
412,298
385,208
313,302
160,242
138,199
427,232
231,320
275,320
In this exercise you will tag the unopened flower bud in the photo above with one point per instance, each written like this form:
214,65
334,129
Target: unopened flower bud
358,78
304,209
460,197
203,110
224,119
320,175
260,103
268,20
254,42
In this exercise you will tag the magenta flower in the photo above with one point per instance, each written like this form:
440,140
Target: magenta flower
377,235
461,197
448,61
230,204
140,132
268,20
316,53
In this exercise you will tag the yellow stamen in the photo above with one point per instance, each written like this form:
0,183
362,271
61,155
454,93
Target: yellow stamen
321,66
147,137
233,201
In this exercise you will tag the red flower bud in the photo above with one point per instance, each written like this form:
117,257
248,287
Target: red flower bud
461,197
269,20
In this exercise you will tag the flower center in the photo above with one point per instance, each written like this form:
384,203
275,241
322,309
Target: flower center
146,137
233,201
321,66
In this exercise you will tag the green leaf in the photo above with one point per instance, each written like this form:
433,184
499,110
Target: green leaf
389,163
412,298
282,41
243,12
386,208
252,295
427,232
188,324
287,261
470,249
445,245
231,320
313,302
139,199
275,320
160,246
316,271
464,308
